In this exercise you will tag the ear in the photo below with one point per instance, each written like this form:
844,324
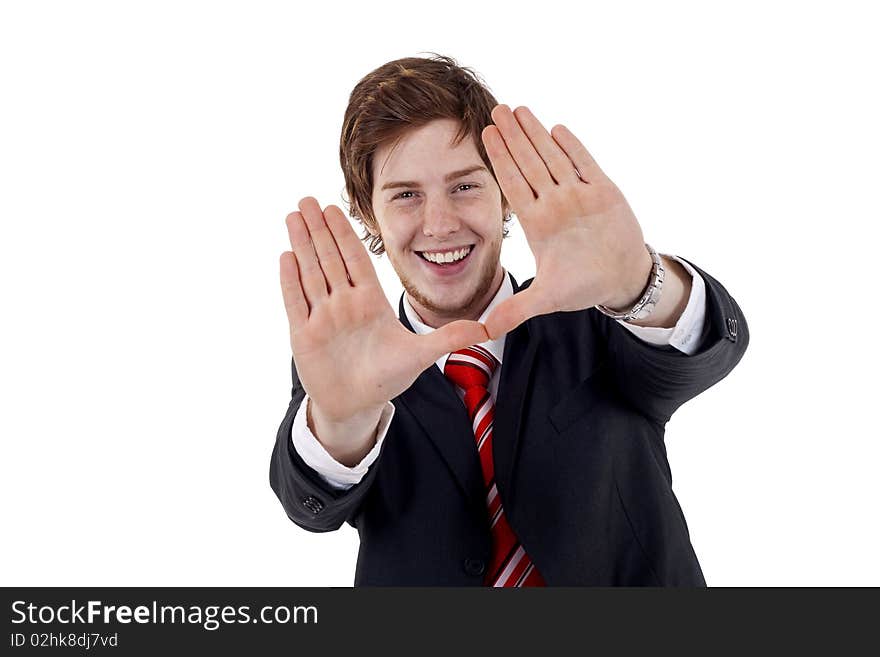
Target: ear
505,210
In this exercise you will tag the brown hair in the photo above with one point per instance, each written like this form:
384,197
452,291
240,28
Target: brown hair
396,97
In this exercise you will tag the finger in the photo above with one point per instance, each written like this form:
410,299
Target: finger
510,179
509,314
354,253
310,275
451,337
294,299
558,163
325,246
577,153
524,154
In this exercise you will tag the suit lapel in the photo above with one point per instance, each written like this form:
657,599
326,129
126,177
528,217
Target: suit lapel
433,402
520,348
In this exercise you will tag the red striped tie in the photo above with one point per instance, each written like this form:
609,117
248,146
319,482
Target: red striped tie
471,370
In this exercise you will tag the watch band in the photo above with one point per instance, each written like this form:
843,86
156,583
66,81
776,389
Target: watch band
649,298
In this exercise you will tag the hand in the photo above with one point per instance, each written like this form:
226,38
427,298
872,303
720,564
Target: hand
351,352
587,243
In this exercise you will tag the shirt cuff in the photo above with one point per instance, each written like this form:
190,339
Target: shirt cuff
318,459
685,335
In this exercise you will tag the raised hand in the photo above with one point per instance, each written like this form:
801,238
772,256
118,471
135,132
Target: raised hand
351,352
587,243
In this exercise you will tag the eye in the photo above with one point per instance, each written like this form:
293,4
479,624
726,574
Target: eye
402,195
468,186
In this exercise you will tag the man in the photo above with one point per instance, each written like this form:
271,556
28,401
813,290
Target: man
532,453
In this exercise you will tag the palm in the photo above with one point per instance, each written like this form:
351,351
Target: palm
354,354
586,236
587,243
351,352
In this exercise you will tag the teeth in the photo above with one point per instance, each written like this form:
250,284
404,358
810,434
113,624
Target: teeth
450,256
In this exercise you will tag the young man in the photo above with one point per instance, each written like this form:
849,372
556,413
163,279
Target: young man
532,453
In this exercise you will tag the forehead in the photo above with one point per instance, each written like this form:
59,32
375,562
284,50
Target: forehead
423,152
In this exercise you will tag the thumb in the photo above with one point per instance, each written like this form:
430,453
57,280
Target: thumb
451,337
509,314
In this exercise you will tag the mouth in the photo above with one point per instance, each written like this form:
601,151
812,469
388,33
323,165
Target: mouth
448,262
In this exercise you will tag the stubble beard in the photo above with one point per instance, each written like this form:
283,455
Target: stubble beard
469,307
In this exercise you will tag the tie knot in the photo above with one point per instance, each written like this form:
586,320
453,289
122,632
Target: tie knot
470,367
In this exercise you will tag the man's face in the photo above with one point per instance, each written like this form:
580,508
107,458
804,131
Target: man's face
432,198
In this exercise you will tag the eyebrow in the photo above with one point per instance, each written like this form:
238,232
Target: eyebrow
461,173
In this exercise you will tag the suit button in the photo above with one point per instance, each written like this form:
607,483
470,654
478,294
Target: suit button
313,504
474,567
731,328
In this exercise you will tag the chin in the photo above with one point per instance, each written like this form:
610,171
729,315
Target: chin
437,301
452,308
454,304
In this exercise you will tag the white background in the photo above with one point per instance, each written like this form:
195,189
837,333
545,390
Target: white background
149,153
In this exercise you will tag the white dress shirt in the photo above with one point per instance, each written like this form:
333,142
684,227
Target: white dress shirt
684,336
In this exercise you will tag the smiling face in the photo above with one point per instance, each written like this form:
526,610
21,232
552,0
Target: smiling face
436,201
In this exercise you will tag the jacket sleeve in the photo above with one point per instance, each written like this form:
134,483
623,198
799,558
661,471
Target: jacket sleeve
657,380
308,500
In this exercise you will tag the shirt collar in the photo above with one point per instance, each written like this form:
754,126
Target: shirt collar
495,347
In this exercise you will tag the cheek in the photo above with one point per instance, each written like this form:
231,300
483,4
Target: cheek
485,218
398,231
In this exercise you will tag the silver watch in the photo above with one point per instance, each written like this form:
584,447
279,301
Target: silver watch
650,297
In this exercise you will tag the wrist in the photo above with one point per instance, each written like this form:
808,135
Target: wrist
634,287
629,305
346,440
317,413
676,293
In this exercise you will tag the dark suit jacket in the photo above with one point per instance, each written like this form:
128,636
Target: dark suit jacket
579,451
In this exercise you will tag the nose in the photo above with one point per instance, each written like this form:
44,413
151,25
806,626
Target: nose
440,219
